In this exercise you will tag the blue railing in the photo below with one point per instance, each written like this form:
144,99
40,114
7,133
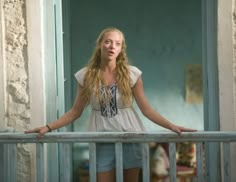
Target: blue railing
8,142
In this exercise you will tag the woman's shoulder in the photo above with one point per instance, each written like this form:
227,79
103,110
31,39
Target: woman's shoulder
79,75
135,73
134,70
81,72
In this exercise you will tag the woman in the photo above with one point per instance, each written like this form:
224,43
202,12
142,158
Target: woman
109,84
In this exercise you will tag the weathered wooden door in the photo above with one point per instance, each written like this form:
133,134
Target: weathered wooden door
211,91
55,86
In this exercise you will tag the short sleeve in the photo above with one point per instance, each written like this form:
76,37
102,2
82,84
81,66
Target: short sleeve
79,75
135,73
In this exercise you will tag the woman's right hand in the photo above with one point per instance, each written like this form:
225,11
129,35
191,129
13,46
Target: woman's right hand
40,130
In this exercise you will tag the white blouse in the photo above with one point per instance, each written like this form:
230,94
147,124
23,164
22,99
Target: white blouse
113,116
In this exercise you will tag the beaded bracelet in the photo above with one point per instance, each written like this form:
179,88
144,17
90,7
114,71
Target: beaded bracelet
49,129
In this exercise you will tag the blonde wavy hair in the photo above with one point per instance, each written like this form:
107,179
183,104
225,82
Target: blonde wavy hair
93,80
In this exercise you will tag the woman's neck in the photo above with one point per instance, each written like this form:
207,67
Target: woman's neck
108,67
108,73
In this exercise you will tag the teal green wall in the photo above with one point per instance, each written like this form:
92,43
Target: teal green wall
162,37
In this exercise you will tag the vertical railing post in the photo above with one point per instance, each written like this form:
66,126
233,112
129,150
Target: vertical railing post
40,162
227,166
92,163
119,161
65,162
199,162
1,162
9,162
145,159
172,153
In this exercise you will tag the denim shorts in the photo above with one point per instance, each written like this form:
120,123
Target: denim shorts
132,156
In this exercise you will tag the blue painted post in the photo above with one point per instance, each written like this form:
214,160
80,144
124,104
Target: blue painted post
172,153
10,162
65,157
227,166
92,163
119,161
1,162
40,162
146,166
199,162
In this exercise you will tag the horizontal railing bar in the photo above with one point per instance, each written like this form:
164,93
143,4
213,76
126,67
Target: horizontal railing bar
56,137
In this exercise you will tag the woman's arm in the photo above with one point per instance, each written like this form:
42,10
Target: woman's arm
74,113
150,113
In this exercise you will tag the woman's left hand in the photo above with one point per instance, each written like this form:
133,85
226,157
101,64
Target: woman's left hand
180,129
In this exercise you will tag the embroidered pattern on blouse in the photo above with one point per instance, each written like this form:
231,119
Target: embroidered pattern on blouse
109,109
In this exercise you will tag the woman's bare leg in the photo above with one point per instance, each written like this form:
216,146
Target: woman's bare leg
108,176
131,175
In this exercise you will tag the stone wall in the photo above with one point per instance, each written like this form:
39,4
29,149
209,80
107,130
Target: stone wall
233,147
16,77
234,55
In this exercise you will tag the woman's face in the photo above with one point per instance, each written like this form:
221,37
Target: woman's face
111,45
